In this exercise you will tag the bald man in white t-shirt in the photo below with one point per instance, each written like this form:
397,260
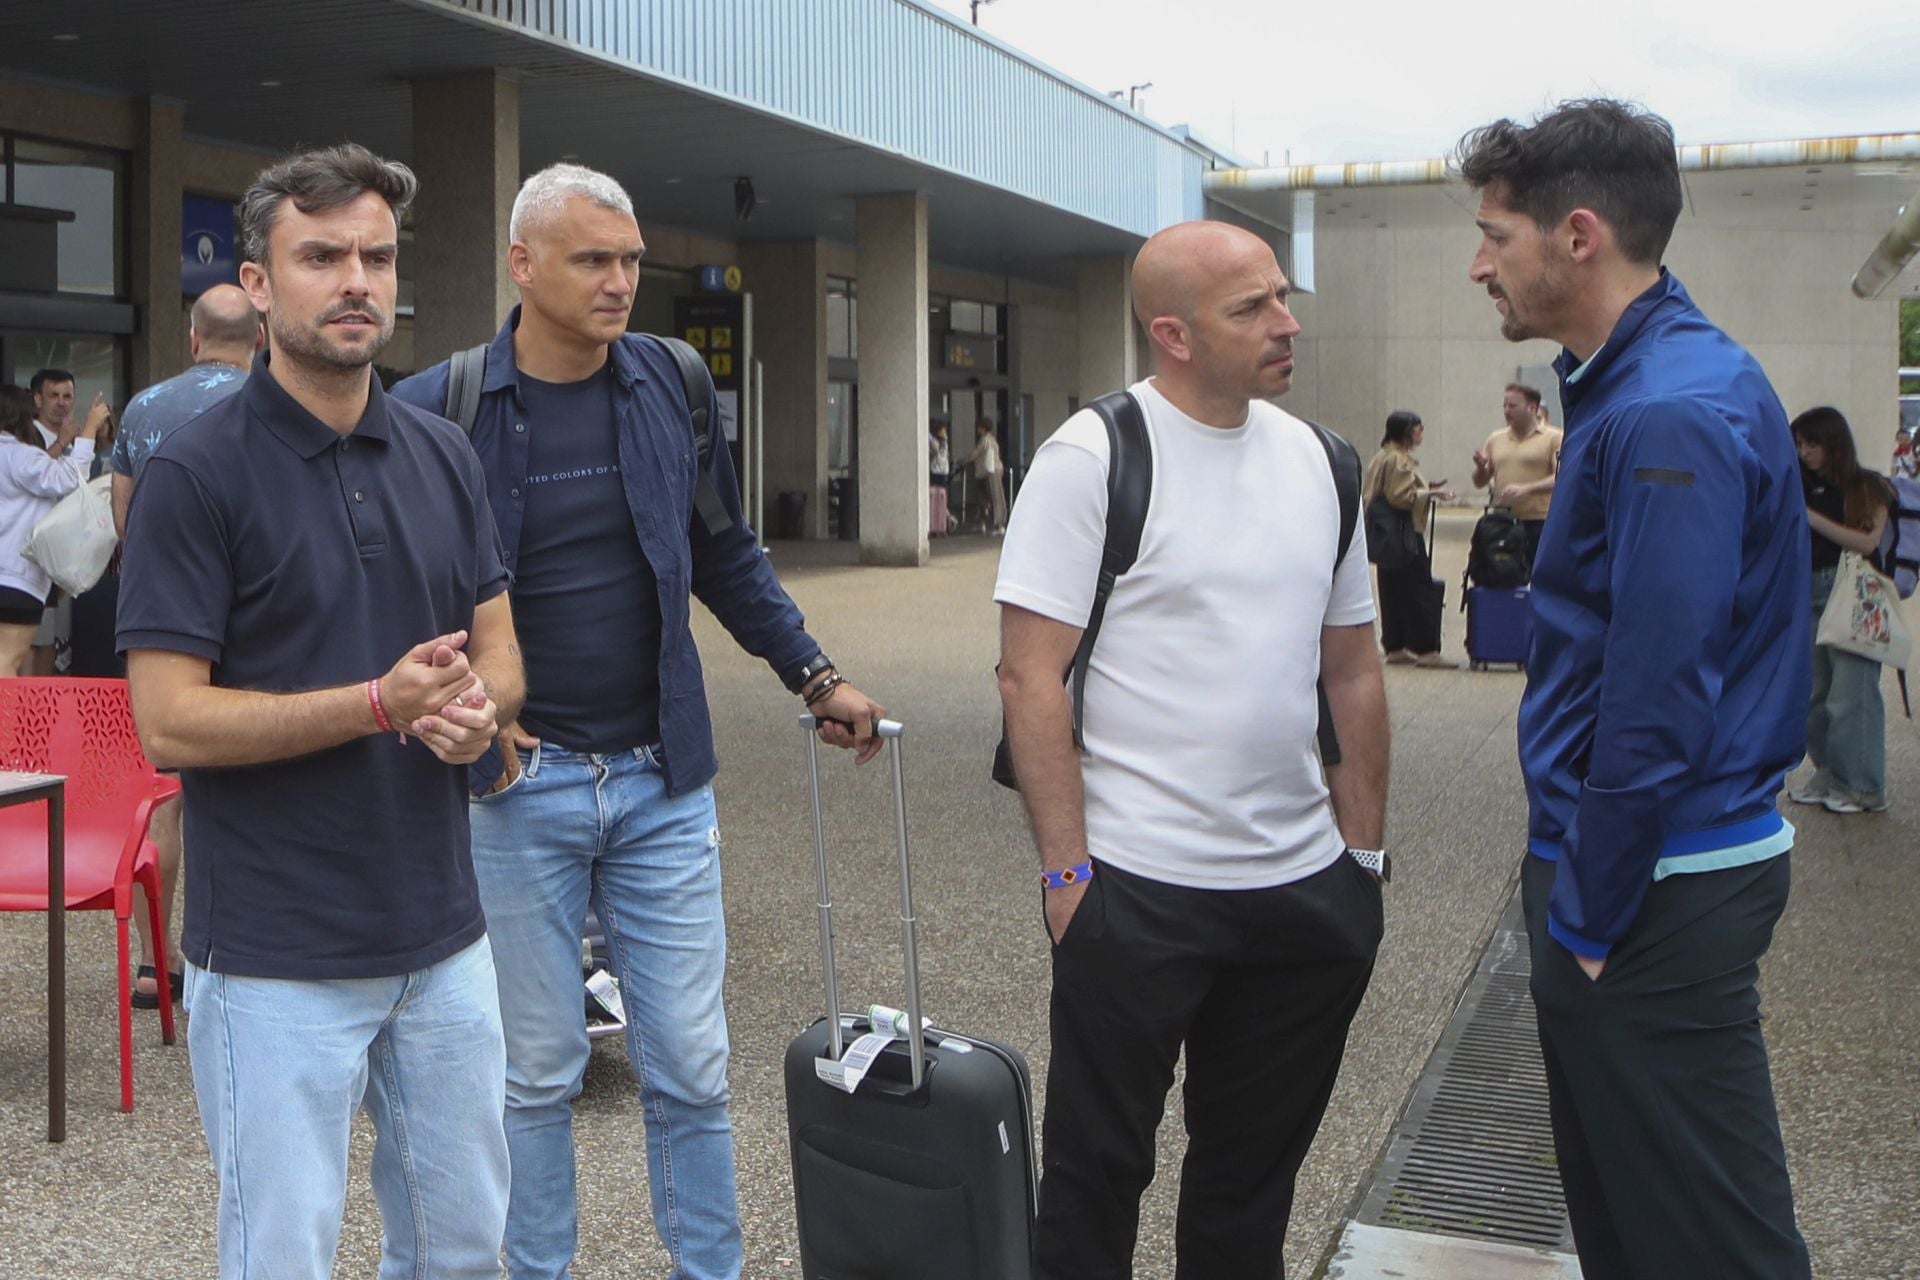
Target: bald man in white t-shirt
1207,881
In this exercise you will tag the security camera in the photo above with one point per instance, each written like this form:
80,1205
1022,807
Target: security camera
743,199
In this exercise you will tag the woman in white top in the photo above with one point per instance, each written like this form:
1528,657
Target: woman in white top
31,481
987,468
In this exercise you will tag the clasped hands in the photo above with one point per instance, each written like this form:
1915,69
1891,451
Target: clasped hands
434,694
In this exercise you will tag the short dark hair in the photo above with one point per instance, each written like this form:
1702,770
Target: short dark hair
1615,158
316,181
1532,394
44,376
1400,425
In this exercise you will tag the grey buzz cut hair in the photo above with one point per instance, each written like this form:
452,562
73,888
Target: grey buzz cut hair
546,193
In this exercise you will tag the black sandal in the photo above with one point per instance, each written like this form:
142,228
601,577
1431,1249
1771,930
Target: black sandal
151,1000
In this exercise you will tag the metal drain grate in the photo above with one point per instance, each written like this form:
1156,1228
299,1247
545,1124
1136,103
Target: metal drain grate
1473,1153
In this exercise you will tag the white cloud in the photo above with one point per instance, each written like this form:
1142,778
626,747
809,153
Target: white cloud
1403,79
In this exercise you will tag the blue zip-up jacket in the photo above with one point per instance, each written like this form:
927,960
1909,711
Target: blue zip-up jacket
727,572
1672,657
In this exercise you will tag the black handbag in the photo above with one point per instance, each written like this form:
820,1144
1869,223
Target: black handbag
1392,541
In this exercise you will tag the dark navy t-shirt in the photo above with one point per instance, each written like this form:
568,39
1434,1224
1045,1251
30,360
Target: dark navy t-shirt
293,558
585,602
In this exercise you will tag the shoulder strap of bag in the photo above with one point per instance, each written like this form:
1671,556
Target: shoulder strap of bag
1344,461
465,372
699,389
1129,489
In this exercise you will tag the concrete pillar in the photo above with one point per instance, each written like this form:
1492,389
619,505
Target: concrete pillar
466,151
788,283
890,236
1106,326
153,263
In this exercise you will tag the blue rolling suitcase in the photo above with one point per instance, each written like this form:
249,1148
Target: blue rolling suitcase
924,1168
1499,626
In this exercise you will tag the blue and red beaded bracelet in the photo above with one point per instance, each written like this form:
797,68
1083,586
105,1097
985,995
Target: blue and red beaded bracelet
1068,876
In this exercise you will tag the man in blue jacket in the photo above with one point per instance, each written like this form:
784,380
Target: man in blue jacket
601,791
1666,700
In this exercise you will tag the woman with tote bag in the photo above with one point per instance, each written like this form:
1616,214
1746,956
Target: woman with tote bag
1398,500
31,482
1846,717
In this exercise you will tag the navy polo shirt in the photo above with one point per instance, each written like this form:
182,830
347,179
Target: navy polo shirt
294,558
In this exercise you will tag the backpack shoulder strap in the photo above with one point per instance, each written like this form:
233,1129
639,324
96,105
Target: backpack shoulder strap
1344,461
1129,490
466,371
699,389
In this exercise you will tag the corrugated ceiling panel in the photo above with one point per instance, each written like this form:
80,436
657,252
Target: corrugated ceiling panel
897,76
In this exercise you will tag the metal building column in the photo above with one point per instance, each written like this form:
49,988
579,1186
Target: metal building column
466,151
891,264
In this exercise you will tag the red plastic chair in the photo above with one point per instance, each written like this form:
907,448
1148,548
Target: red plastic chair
84,730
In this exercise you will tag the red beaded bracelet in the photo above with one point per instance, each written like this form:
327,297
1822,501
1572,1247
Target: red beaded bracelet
380,719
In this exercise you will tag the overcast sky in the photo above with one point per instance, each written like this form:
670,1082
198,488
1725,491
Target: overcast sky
1338,80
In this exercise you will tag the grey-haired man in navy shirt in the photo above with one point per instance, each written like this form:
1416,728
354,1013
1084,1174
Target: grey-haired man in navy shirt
605,790
315,615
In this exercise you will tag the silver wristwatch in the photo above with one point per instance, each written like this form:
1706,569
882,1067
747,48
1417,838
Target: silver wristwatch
1374,860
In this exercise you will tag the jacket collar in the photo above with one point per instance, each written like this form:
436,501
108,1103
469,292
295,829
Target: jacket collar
1625,331
504,371
298,429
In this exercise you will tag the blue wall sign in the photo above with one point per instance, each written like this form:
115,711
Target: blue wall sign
207,255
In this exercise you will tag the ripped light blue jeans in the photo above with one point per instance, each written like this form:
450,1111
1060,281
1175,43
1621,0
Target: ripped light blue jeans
576,828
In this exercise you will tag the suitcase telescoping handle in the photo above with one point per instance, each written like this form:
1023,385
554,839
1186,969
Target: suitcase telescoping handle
892,732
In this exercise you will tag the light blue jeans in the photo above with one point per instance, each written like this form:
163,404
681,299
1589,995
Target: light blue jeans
281,1066
575,828
1846,717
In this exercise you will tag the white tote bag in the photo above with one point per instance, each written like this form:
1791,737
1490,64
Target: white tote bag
74,541
1863,614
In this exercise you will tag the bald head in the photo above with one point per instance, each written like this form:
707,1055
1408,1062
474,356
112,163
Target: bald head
225,323
1214,300
1191,261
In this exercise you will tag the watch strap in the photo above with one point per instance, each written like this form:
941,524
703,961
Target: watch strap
1374,860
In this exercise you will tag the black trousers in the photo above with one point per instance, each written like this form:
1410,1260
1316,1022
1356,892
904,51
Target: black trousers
1408,618
1259,986
1530,529
1662,1104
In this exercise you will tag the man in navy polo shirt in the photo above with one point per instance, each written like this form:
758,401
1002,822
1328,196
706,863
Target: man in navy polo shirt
318,637
605,790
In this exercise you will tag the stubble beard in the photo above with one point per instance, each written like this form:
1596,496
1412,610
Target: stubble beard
307,345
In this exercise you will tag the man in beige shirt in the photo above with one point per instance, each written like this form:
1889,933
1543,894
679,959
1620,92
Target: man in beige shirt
1523,460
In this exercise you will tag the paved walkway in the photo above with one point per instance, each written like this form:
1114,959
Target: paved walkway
132,1196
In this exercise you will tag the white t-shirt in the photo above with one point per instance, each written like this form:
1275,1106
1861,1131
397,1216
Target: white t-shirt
1201,766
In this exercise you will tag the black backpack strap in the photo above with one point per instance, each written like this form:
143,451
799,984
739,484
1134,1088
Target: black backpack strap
1129,489
466,371
699,389
1344,461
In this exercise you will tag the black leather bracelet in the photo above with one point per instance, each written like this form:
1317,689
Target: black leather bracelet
797,682
825,687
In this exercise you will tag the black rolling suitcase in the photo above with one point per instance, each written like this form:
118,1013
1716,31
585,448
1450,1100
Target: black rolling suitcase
925,1169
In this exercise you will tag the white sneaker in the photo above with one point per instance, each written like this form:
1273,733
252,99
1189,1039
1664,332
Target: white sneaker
1399,658
1814,790
1434,661
1841,800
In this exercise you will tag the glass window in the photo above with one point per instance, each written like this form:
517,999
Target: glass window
839,428
843,319
94,360
89,184
965,316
